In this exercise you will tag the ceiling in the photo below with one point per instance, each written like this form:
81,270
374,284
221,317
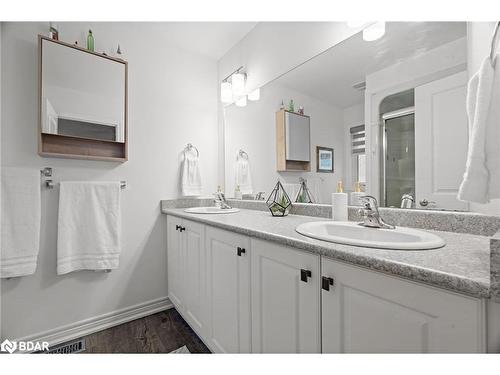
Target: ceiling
331,75
210,39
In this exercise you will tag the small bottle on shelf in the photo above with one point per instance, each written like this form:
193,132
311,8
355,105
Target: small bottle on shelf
90,41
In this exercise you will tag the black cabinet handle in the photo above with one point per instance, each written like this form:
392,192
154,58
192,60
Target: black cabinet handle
177,227
326,282
304,274
182,229
241,250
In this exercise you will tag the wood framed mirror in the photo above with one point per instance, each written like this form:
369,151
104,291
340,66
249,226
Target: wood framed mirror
82,103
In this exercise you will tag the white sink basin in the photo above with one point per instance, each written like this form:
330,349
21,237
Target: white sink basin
211,210
350,233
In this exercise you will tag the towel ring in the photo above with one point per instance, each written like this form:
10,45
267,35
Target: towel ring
242,154
189,147
494,43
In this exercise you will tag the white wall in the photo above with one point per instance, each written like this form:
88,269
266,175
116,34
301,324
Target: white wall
172,101
271,49
253,129
478,46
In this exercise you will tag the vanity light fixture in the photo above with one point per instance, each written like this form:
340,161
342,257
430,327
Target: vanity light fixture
226,92
254,95
242,102
232,88
374,32
238,82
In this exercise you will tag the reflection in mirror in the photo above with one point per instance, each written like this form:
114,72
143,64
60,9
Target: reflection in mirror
83,95
393,111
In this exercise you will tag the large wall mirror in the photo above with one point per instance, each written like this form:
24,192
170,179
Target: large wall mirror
83,102
392,110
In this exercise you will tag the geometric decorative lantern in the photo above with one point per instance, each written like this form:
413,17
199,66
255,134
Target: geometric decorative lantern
279,202
304,195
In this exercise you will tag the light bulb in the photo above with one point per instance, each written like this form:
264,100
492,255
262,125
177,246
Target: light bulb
374,32
254,95
238,82
241,102
226,92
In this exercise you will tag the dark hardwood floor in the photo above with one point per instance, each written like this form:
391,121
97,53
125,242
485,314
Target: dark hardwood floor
159,333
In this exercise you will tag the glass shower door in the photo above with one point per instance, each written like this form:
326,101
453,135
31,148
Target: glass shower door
398,156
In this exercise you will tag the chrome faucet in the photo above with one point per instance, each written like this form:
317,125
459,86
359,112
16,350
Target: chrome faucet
407,201
220,201
371,215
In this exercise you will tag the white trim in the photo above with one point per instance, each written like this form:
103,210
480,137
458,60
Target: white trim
98,323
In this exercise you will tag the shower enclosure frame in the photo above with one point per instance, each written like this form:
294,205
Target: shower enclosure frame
383,156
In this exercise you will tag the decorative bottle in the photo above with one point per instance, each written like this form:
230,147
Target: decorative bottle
90,41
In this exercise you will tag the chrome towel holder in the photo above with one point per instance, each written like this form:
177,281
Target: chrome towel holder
242,154
50,184
190,147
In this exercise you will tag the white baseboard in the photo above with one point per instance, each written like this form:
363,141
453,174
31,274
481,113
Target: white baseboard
98,323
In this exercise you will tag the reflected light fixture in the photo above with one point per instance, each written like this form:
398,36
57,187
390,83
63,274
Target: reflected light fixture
226,92
374,32
254,95
238,82
241,102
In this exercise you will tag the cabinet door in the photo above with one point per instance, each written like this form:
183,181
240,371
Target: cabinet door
175,263
228,287
285,308
369,312
192,238
297,136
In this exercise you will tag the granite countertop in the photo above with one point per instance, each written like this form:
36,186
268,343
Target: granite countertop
463,265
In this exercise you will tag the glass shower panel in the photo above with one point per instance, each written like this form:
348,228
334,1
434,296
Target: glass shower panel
399,158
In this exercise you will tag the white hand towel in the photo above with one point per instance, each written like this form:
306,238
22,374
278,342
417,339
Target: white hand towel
191,178
89,226
481,181
20,222
243,176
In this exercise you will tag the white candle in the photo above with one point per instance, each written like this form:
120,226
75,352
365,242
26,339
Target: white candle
339,206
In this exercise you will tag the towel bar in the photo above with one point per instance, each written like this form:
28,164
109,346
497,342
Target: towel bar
50,184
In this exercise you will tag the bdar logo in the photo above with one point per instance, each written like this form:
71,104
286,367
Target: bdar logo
8,346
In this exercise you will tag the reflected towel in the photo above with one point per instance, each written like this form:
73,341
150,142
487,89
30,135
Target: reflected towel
243,176
191,177
481,181
89,226
20,222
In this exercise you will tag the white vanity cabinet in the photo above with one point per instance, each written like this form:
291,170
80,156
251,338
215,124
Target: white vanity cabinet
228,291
285,299
187,270
243,294
369,312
